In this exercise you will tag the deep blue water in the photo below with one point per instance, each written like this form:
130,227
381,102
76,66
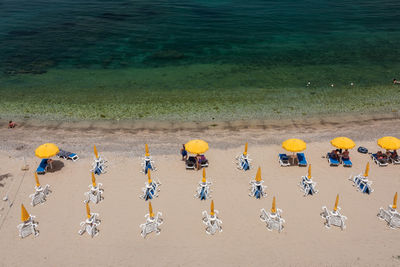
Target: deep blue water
37,35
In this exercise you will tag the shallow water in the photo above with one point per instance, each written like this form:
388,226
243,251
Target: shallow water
197,60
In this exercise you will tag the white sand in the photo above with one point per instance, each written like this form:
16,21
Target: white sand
245,241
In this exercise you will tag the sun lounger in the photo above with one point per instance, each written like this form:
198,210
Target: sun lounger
332,161
381,162
203,191
302,159
273,221
308,186
203,161
347,162
284,160
28,227
394,160
333,218
362,183
257,189
191,163
42,167
152,224
67,155
243,162
212,222
150,191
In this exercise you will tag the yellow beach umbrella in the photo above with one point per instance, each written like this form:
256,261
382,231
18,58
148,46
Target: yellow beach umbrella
88,214
336,203
149,177
273,209
95,152
146,148
343,142
47,150
394,206
204,176
309,172
366,170
24,214
258,175
37,180
294,145
93,180
196,146
151,213
212,212
389,143
245,149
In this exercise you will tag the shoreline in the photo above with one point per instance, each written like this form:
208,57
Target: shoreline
165,138
133,126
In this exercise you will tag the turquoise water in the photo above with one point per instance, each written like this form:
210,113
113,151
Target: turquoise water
168,59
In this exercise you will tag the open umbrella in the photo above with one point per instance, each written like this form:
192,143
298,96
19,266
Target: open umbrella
343,143
389,143
196,146
294,145
46,151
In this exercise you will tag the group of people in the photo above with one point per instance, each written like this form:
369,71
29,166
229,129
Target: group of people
386,156
199,159
339,154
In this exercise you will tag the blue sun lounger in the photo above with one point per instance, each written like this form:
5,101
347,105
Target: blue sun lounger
41,169
332,161
381,162
347,162
363,186
67,155
245,164
284,160
302,159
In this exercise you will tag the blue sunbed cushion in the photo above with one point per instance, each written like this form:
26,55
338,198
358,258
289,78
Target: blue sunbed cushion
203,194
347,162
283,157
245,165
302,159
42,166
332,160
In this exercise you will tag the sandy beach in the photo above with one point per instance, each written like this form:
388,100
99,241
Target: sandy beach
245,240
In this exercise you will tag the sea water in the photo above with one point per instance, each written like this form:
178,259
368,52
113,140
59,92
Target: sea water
198,59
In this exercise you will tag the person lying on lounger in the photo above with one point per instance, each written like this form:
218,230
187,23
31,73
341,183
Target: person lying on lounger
345,154
394,155
381,157
334,154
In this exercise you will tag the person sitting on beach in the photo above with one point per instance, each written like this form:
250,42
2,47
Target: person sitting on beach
381,157
394,155
11,124
388,154
184,153
395,81
203,159
334,154
345,154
